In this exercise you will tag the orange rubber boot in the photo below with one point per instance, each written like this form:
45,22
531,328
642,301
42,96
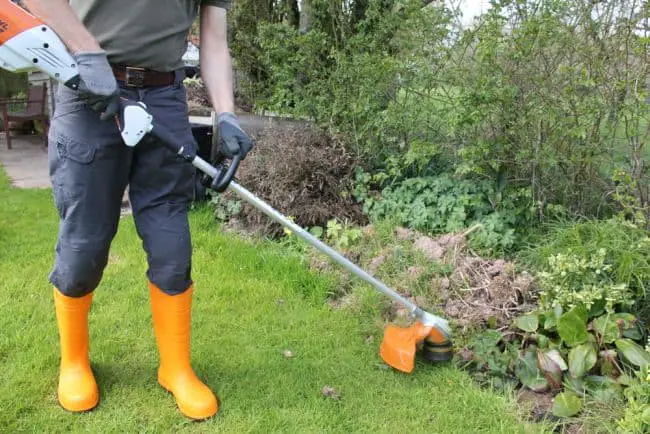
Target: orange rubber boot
77,387
172,324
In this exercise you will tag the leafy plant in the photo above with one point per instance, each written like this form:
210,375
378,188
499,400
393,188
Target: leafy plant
537,97
342,235
493,358
633,210
571,280
571,352
636,419
567,404
606,253
529,373
444,203
224,208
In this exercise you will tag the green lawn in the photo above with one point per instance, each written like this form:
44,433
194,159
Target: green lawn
252,302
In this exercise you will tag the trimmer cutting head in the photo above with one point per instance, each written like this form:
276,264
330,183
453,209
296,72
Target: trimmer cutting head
400,344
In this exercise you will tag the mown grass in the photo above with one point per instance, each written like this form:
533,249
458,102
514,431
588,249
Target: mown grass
253,301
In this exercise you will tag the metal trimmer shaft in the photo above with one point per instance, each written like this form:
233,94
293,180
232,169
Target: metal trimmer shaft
417,312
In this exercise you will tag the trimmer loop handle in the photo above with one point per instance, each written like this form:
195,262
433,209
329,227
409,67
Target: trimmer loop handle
225,174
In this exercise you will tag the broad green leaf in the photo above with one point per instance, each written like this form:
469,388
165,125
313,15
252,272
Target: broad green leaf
528,372
634,333
604,389
581,359
576,385
582,312
316,231
572,326
551,370
550,322
528,323
625,380
606,328
598,308
566,404
542,341
633,352
628,319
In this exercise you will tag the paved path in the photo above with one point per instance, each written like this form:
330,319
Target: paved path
26,162
253,124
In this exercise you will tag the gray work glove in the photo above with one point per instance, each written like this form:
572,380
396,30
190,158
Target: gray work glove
233,139
98,85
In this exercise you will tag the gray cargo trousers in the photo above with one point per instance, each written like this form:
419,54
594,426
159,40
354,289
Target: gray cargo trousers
90,168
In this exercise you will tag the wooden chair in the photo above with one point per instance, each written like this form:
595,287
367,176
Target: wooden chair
33,108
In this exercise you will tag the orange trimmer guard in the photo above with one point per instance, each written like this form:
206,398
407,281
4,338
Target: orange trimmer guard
400,344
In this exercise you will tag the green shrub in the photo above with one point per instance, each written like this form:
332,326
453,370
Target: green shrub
626,255
535,97
444,203
223,208
571,280
583,340
430,204
12,84
370,86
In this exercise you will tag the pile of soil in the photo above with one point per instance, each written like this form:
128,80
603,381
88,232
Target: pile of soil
479,292
485,292
297,169
300,171
476,293
198,102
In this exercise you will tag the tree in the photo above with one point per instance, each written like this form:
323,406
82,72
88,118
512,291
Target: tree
306,16
289,13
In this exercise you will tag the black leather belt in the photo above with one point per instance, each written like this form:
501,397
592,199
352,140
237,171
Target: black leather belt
141,77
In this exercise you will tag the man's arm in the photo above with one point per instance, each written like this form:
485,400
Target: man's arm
61,18
216,70
216,64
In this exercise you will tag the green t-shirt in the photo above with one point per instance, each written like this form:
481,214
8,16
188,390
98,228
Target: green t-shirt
143,33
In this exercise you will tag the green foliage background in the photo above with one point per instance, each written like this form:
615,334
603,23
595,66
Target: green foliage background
543,101
12,84
532,119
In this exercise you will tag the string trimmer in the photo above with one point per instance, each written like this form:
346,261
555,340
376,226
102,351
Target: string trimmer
27,43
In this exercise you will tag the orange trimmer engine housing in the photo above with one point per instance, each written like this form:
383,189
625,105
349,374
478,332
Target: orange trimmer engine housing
26,43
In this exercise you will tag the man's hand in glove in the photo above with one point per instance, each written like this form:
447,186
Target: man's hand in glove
98,85
233,139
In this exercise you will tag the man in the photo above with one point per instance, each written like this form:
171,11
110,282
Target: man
131,49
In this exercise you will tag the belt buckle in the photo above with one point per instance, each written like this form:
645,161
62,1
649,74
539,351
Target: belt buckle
134,77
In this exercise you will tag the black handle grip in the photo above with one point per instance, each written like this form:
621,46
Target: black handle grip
225,174
167,139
